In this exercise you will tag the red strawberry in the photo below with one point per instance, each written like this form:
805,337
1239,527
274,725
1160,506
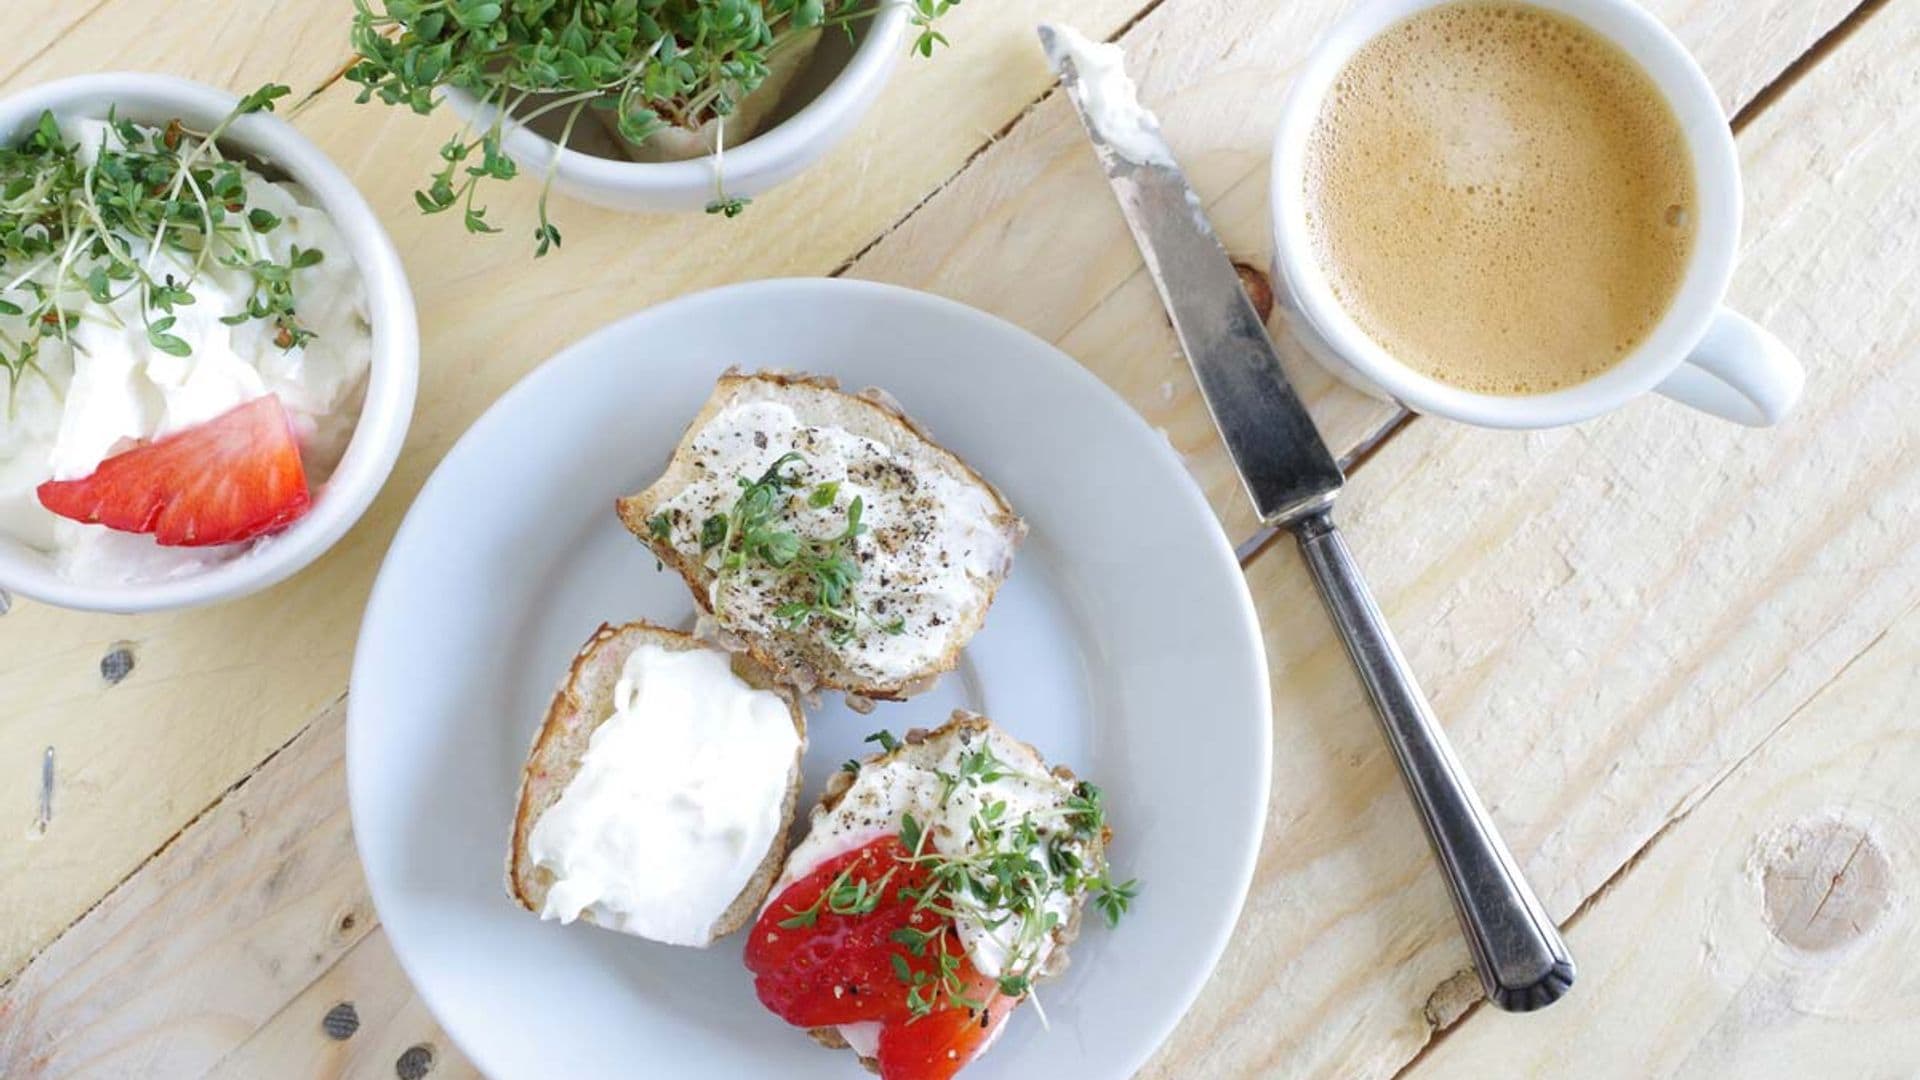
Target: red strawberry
231,478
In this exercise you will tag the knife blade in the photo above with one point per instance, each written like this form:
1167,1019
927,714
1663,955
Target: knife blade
1286,467
1293,478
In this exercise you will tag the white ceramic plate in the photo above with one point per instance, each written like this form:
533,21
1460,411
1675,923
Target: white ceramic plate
1124,645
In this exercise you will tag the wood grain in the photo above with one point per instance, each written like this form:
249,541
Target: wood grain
1610,618
1615,618
238,46
184,962
392,1021
214,691
1777,919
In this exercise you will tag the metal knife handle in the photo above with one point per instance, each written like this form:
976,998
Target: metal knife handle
1522,961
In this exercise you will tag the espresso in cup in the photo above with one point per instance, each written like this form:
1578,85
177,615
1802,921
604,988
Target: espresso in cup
1500,197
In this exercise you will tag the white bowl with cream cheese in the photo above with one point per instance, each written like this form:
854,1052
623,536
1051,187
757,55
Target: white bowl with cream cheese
357,435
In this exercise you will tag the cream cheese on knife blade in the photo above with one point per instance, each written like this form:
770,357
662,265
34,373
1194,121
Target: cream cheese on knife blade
1111,99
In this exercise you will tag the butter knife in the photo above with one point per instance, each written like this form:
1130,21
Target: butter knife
1293,479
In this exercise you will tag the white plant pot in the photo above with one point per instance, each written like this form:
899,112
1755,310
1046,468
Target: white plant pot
754,167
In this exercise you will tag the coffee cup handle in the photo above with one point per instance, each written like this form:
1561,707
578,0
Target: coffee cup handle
1739,372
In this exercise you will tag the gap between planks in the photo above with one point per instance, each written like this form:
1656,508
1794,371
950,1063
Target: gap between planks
1646,850
1250,549
1247,551
985,146
1266,537
337,74
173,839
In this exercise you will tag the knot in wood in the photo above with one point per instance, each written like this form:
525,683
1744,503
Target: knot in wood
1825,882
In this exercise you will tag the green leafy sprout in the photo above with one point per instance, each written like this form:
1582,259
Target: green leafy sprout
71,229
1001,881
754,533
653,64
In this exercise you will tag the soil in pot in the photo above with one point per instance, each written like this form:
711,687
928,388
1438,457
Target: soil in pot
799,74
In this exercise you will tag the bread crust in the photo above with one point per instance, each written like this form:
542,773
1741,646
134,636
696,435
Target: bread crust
1064,935
636,512
581,704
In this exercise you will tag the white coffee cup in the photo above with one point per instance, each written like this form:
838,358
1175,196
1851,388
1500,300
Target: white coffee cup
1701,353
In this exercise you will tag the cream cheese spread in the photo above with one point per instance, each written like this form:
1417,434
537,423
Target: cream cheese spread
935,540
109,387
677,799
1108,96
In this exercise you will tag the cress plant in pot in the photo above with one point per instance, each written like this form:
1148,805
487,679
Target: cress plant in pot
634,104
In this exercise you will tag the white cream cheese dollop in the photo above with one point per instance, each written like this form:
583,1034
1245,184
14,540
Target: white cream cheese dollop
89,400
910,783
676,802
933,542
1108,95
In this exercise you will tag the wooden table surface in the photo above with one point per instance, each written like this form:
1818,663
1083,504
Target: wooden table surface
1682,658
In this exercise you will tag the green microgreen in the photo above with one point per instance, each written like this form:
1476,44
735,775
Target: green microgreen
1007,880
73,229
845,895
651,64
755,534
1009,869
1115,900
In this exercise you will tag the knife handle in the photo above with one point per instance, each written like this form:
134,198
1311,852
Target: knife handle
1523,963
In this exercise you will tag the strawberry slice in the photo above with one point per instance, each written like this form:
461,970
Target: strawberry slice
816,967
938,1045
838,969
231,478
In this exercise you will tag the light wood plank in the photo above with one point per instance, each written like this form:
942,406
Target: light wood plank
392,1021
1777,921
66,671
1609,617
185,961
224,955
1030,233
214,691
238,46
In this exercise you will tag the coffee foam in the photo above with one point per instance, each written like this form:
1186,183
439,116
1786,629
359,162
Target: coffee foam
1500,197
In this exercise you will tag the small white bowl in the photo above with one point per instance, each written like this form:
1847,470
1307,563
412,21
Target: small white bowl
753,168
382,427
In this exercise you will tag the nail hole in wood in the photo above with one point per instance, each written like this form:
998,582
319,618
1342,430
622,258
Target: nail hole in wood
348,922
415,1062
341,1022
118,663
44,819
